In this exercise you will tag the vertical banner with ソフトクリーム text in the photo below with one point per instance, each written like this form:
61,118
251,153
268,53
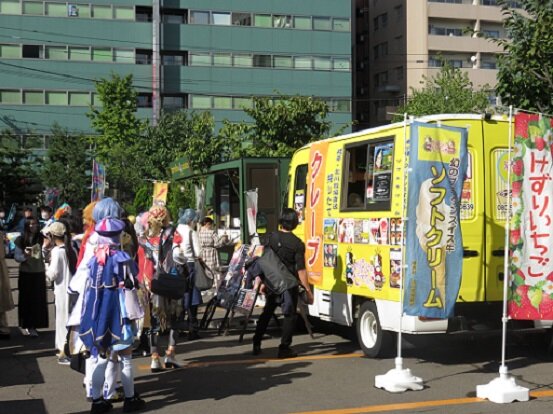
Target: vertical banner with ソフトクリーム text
314,211
531,236
434,248
251,211
160,192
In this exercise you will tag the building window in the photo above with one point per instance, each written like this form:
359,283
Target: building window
321,23
200,102
79,53
56,9
10,7
33,7
220,19
341,64
143,57
302,22
242,19
123,13
101,12
241,103
124,55
263,20
303,63
10,51
380,21
282,21
199,59
380,50
322,63
262,61
56,98
79,10
10,97
398,11
222,59
399,72
100,54
199,17
222,102
143,100
242,61
175,59
176,16
79,98
282,62
33,97
173,101
56,52
341,25
143,14
444,31
381,79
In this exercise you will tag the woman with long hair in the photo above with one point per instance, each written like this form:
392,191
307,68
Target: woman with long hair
63,263
32,306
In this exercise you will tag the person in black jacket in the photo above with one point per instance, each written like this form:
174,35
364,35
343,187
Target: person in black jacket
291,251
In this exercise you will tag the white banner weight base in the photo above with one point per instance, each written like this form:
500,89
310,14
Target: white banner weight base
398,379
503,389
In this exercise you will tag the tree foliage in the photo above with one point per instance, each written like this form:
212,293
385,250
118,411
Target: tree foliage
19,170
120,130
525,77
65,166
449,91
280,126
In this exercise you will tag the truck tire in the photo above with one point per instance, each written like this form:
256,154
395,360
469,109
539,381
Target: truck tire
373,340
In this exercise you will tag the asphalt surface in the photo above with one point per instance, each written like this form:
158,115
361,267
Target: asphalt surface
331,375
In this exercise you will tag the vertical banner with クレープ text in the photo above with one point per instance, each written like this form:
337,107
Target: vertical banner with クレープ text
314,210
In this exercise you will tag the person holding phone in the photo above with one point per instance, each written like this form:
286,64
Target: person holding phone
32,307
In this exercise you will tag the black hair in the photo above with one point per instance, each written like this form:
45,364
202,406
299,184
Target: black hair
289,219
28,239
46,208
206,220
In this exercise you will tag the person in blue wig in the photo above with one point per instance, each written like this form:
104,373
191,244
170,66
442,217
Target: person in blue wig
110,310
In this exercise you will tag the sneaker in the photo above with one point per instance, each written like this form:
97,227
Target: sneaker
156,366
133,404
171,362
100,406
117,396
32,332
256,349
286,353
64,360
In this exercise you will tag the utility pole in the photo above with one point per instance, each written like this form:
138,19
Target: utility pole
156,75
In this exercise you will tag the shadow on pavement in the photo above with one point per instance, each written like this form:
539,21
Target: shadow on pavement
24,406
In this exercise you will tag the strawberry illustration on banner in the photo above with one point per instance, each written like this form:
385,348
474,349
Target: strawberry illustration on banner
531,236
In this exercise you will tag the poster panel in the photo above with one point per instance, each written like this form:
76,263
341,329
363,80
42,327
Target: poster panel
434,248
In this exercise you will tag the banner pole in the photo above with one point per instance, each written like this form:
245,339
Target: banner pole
504,389
400,379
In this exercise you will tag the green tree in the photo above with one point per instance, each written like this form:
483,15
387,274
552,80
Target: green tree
65,166
280,126
120,130
525,77
19,169
449,91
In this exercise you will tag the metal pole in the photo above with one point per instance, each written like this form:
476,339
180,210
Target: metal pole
156,76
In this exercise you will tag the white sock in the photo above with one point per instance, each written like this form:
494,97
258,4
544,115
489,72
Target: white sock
127,375
98,378
112,368
90,364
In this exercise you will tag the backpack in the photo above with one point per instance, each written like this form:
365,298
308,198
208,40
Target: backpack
171,279
277,277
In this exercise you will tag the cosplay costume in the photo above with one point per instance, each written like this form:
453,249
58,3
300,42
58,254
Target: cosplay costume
110,300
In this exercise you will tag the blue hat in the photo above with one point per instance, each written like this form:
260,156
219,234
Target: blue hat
109,227
188,216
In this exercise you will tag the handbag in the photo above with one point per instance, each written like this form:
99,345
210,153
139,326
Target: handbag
203,275
172,284
277,277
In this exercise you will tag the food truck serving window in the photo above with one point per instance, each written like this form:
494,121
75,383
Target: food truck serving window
300,190
368,175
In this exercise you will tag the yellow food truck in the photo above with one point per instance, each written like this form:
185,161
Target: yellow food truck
349,193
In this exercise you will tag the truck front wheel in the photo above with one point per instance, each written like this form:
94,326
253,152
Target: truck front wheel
373,340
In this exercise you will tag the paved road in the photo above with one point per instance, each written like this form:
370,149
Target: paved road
330,377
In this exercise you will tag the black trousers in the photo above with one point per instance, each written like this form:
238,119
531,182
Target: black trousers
288,302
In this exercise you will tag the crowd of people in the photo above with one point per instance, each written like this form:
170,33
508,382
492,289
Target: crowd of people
102,265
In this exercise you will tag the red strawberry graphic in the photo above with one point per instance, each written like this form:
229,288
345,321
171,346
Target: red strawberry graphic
546,307
516,187
540,143
518,166
515,236
525,310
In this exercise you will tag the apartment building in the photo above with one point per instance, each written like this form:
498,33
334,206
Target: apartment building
213,55
398,42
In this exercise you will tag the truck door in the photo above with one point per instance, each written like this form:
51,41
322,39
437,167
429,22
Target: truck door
495,170
472,219
264,177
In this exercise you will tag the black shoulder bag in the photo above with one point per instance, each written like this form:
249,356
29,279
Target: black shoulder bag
171,284
277,277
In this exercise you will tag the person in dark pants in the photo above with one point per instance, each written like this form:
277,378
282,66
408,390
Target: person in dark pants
291,251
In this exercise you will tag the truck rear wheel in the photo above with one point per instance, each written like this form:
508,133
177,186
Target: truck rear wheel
374,341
